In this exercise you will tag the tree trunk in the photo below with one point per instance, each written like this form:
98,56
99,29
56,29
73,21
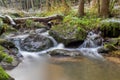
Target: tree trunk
81,8
104,8
93,3
98,2
32,4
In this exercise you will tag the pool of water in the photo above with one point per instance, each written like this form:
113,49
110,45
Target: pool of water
83,69
65,68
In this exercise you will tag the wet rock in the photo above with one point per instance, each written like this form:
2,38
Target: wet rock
102,50
9,49
6,43
8,58
110,47
112,44
11,78
41,30
12,65
62,52
35,43
67,34
114,41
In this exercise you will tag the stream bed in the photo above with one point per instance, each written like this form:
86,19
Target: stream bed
41,66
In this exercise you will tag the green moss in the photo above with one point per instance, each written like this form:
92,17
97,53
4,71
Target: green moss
4,56
110,29
3,74
8,28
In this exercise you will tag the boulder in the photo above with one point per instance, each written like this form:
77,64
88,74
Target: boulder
8,58
63,52
35,43
6,43
67,34
110,28
112,44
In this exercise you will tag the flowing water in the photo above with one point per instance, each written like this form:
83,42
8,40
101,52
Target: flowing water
41,66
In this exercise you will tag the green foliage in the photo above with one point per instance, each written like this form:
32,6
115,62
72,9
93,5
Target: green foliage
8,59
86,22
3,74
29,23
4,56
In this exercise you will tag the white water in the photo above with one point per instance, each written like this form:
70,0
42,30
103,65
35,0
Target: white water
90,46
34,65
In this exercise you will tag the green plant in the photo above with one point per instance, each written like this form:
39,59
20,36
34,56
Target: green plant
8,59
29,23
85,22
3,74
4,56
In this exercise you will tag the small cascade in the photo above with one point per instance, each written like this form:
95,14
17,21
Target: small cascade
90,46
93,40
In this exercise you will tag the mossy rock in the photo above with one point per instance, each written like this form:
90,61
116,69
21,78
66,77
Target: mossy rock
6,28
114,41
4,75
110,47
4,56
6,43
67,34
110,28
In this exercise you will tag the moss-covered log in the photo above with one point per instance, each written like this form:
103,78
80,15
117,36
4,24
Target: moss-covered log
14,21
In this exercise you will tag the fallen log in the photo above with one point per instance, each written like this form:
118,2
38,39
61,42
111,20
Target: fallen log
14,21
38,19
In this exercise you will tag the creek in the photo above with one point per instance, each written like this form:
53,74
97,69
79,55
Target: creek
41,66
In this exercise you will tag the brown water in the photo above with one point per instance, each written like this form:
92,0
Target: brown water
82,69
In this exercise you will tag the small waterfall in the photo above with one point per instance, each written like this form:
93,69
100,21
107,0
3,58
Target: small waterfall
90,46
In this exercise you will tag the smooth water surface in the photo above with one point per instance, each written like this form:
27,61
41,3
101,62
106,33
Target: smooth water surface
65,69
84,69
